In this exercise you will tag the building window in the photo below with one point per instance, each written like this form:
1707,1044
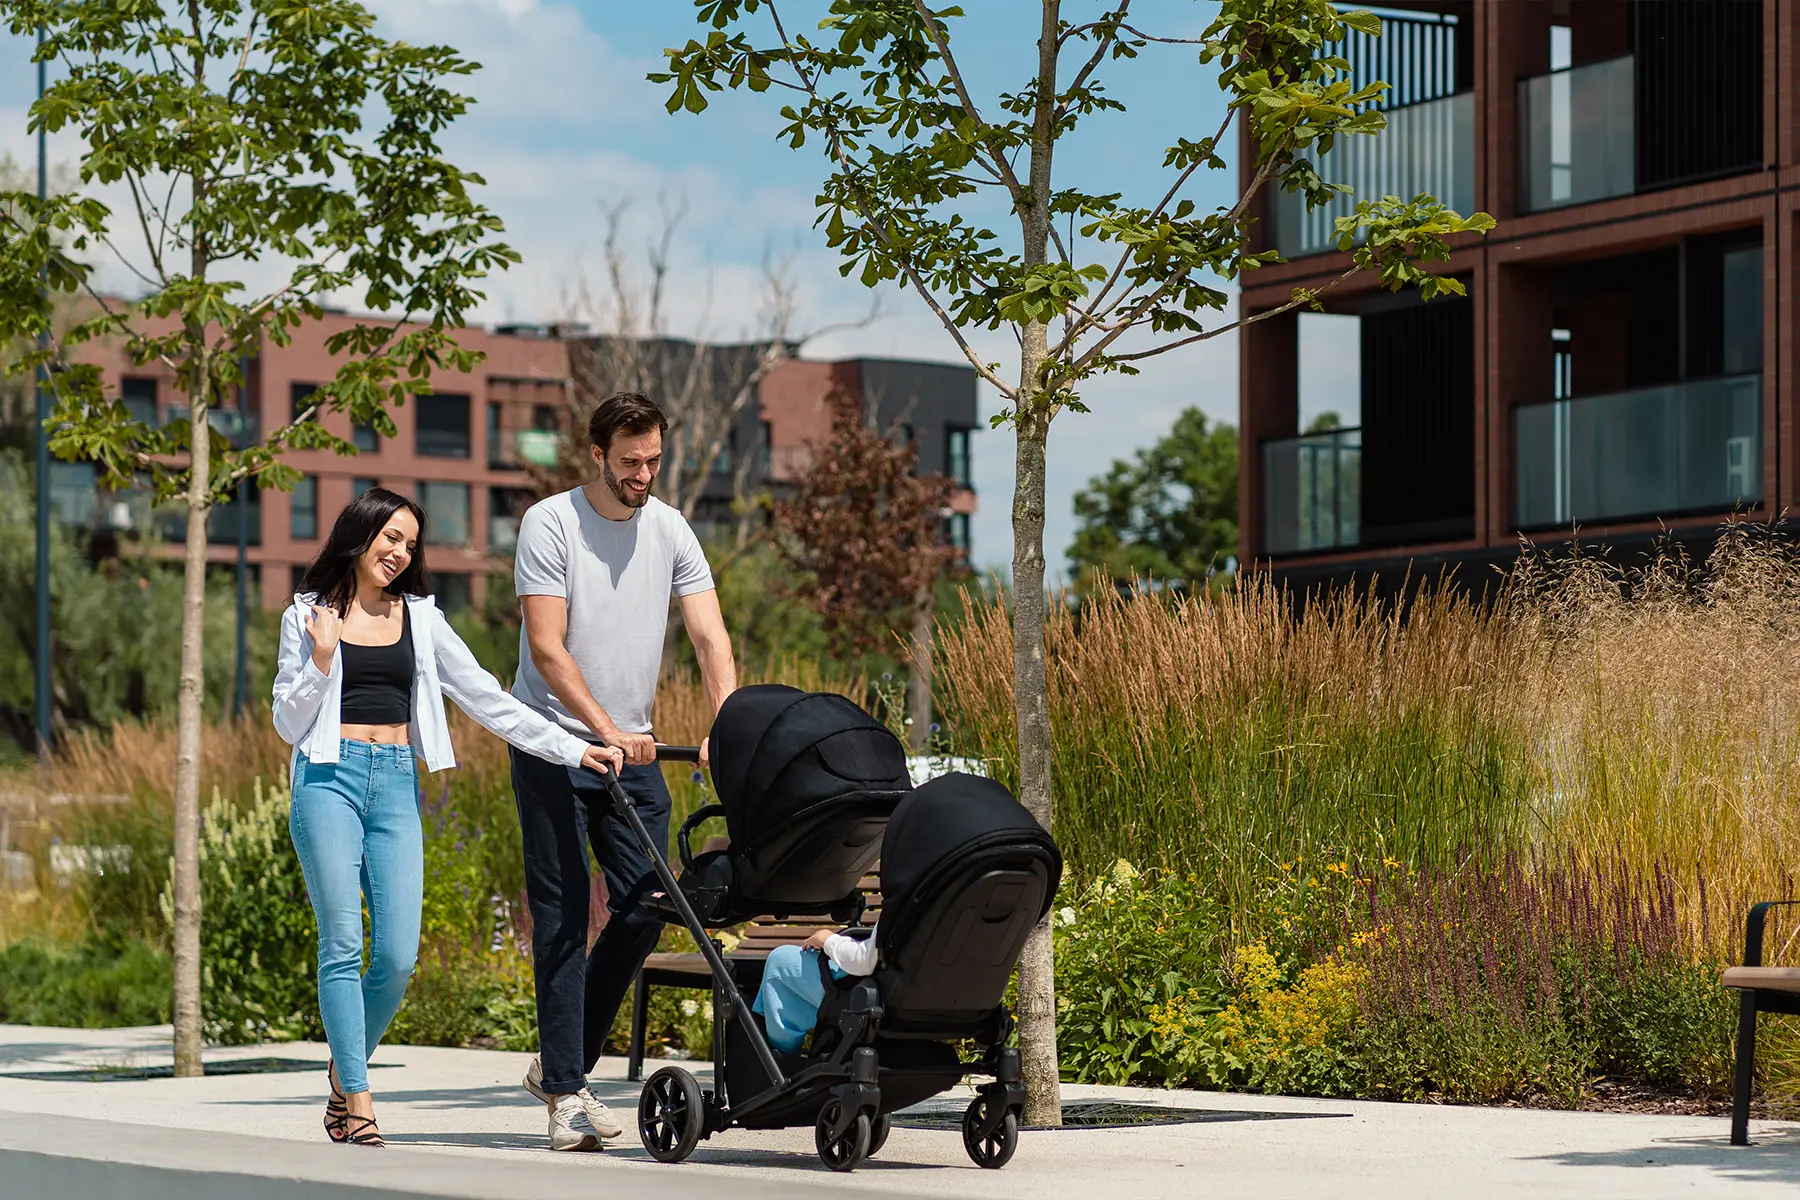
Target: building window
359,486
239,513
543,417
443,426
956,456
72,493
446,505
505,507
303,509
296,576
300,399
498,454
139,398
364,437
956,532
452,590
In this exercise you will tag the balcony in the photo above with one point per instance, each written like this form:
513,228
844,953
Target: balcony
1426,147
1578,140
1686,447
1312,492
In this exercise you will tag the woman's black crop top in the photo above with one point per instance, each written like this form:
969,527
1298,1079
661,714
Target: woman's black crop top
378,680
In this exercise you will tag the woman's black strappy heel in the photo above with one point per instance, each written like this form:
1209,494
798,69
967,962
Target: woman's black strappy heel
337,1109
362,1131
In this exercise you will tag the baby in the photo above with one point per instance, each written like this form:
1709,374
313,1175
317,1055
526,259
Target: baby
792,988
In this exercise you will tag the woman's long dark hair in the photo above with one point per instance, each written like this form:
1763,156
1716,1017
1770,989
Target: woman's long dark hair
332,575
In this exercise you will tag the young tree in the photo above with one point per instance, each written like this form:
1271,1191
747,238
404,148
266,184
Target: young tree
1169,513
249,138
703,385
885,96
866,536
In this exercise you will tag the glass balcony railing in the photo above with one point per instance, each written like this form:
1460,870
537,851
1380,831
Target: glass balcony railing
1312,492
1428,147
1687,447
1578,141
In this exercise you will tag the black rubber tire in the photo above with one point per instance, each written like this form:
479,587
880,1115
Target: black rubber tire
996,1149
671,1115
845,1153
878,1133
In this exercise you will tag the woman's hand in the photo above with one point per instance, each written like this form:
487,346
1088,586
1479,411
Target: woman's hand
324,627
706,754
816,940
603,759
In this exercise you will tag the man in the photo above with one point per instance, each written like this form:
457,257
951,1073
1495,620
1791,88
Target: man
594,569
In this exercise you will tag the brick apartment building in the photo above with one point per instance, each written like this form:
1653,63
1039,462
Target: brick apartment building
1626,356
461,451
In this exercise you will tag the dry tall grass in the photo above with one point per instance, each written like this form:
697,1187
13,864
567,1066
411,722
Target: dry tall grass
1653,716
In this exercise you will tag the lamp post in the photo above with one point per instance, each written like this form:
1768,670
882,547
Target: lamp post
42,684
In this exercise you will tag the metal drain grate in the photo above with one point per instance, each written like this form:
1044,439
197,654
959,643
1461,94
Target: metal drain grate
124,1074
1103,1114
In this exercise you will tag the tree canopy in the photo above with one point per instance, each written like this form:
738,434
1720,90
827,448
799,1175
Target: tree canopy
1167,514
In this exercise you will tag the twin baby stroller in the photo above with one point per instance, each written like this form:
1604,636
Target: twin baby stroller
813,790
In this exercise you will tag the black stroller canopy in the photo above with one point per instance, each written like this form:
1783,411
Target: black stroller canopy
777,751
946,818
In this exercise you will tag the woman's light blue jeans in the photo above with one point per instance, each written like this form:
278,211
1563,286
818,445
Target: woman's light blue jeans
355,825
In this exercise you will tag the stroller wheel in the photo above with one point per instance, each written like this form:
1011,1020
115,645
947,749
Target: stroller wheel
844,1152
990,1148
671,1115
878,1133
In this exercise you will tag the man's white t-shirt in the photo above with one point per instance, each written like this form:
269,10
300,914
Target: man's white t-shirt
617,577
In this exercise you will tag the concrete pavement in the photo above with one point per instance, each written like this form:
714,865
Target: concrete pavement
461,1126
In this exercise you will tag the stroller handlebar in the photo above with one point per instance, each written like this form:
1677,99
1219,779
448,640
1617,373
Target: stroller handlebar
677,753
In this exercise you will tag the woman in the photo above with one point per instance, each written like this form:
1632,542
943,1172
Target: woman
366,659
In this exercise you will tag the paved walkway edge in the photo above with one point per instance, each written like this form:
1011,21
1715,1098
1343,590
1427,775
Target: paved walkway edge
70,1158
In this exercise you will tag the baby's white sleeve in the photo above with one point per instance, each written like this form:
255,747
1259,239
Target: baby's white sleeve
852,956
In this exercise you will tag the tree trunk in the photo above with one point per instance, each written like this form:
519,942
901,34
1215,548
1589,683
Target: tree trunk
1033,410
189,715
1037,969
919,687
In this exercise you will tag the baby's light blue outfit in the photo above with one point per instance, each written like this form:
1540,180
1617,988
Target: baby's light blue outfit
792,989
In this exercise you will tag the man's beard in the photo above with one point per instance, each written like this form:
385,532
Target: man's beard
618,489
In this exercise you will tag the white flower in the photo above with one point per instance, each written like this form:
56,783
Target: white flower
1065,916
689,1007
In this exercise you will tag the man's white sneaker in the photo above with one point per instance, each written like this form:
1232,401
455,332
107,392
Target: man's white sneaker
563,1134
598,1115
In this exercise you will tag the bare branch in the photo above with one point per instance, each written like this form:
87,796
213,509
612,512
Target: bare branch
1013,186
1206,335
1112,24
1010,391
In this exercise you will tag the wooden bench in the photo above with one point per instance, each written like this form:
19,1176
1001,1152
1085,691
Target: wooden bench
755,940
1761,989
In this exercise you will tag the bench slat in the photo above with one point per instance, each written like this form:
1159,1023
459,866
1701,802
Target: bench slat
1767,979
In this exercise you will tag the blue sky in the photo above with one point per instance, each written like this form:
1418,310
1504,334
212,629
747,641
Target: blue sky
566,122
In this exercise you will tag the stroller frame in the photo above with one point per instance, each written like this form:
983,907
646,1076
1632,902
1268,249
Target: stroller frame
675,1114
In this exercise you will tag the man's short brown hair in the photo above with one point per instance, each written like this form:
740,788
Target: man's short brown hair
630,413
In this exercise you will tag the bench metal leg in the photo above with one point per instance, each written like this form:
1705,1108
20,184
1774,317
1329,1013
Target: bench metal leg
1744,1070
640,1019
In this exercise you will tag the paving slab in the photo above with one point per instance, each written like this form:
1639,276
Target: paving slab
461,1126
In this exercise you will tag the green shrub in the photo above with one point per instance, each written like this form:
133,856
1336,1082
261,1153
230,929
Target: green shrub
95,983
1126,945
258,941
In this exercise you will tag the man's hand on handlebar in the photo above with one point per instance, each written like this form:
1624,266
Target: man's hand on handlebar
639,748
705,754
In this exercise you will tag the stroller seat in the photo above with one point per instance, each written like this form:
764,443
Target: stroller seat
806,784
967,872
